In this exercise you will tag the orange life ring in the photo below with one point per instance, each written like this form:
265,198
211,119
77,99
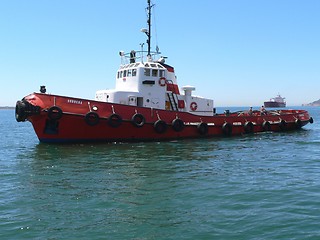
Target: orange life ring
162,81
193,106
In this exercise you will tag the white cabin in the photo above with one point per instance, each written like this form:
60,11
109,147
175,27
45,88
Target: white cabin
153,84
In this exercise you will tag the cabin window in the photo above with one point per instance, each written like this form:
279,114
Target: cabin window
154,72
147,65
161,73
129,73
147,72
134,72
120,76
124,73
153,65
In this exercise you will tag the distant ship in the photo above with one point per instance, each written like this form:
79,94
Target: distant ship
278,101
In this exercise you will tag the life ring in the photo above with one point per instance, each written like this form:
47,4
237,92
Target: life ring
54,113
160,126
92,118
298,123
162,81
193,106
282,125
114,120
266,126
227,129
138,120
177,125
202,128
248,127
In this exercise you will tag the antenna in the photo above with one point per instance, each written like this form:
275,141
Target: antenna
148,31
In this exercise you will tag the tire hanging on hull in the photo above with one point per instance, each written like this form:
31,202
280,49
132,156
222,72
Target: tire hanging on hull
160,126
298,123
177,125
282,125
266,126
138,120
114,120
227,129
248,127
202,128
92,118
20,111
54,113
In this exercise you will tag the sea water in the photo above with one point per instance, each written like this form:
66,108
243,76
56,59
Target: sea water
260,186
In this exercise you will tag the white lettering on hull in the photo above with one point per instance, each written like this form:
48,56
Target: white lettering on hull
74,101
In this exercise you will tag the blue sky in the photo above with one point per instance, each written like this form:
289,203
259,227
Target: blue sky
237,52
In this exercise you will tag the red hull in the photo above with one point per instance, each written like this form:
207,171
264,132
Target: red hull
73,124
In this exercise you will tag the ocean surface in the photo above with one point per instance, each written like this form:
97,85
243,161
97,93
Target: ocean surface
261,186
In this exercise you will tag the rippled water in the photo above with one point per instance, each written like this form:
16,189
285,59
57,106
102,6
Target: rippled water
262,186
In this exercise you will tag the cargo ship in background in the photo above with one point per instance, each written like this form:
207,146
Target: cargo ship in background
146,105
276,102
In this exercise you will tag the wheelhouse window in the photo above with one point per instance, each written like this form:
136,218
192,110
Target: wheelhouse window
154,72
161,73
134,72
147,71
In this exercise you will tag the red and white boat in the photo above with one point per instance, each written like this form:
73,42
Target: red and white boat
146,105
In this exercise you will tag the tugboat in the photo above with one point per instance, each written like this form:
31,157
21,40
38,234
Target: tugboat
146,105
276,102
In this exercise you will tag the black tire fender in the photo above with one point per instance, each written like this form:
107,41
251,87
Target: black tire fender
202,128
138,120
54,113
177,125
248,127
114,120
160,126
282,125
298,123
227,129
20,111
266,126
92,118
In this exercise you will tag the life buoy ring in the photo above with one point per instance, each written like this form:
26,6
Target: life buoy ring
92,118
282,125
298,123
202,128
193,106
162,81
114,120
266,126
248,127
54,113
227,129
138,120
177,125
160,126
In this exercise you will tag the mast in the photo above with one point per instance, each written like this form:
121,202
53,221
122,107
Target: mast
149,27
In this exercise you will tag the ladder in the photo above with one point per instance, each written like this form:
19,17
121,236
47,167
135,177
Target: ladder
173,101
